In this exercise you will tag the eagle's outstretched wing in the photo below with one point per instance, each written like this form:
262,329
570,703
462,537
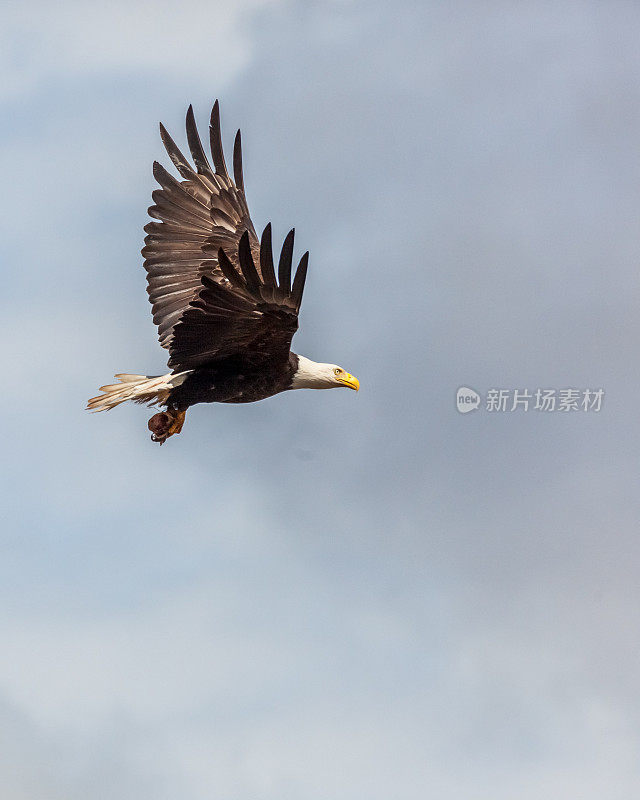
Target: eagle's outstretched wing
206,208
249,314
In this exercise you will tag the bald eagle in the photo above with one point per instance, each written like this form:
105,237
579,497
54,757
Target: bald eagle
223,313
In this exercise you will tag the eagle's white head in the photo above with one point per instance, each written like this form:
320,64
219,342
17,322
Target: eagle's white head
311,375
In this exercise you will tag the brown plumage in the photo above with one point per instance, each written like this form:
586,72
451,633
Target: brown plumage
223,315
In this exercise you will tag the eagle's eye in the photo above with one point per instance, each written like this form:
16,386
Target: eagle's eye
337,371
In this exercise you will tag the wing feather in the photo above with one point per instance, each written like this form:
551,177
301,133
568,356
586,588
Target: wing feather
175,154
266,258
229,270
299,281
211,283
215,139
247,266
195,145
201,208
237,162
284,265
240,317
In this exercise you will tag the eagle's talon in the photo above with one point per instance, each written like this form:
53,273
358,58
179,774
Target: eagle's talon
165,424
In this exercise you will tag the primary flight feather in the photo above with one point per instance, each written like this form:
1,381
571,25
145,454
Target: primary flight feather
223,313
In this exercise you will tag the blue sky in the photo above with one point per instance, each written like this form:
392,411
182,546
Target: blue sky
327,595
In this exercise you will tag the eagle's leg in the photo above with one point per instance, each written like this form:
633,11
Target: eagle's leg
165,424
178,422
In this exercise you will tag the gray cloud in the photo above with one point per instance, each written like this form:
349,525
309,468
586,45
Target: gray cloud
330,595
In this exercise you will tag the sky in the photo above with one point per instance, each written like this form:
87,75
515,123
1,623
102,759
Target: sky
328,595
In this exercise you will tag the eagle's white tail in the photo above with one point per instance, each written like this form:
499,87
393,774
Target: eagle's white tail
139,388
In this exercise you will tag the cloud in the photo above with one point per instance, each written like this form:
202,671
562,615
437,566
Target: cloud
43,45
328,594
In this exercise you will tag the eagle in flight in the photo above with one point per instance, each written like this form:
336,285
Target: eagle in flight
223,311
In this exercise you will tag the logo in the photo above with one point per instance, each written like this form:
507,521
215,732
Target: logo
523,400
467,400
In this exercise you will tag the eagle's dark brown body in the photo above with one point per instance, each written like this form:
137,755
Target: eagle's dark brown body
233,380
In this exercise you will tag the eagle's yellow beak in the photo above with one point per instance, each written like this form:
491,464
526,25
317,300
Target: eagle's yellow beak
348,380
